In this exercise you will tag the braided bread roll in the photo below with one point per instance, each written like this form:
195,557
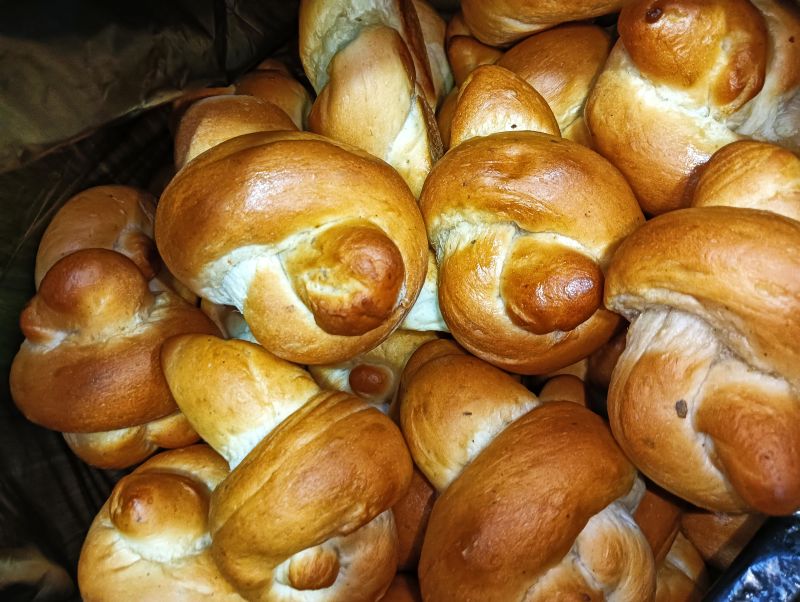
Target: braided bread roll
535,500
371,73
320,247
500,22
751,174
704,397
149,542
688,77
93,334
523,225
562,65
305,514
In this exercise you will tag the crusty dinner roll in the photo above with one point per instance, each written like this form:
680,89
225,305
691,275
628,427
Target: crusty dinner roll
211,121
119,218
719,537
523,225
562,65
464,52
306,512
493,99
500,22
704,399
150,540
688,77
320,246
751,174
374,375
272,82
537,499
90,360
433,29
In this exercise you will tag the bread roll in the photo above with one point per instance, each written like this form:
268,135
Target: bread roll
320,247
425,315
433,29
704,397
93,334
535,500
562,65
522,241
685,79
411,515
368,63
306,512
500,22
464,52
149,542
375,375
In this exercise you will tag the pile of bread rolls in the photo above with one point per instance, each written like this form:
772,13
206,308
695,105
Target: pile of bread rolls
363,319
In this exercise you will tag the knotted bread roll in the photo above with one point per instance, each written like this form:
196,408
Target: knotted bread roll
562,65
536,500
688,77
150,540
375,375
320,246
500,22
90,360
704,398
305,514
368,63
523,225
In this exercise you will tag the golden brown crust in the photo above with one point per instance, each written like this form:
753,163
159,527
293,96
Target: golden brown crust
493,99
490,194
564,387
395,125
659,116
506,495
94,333
719,537
411,515
658,517
602,362
118,218
445,117
751,174
210,121
273,83
466,54
375,375
501,22
233,242
349,464
451,405
150,539
562,65
127,447
704,397
404,588
682,576
723,58
433,28
243,395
